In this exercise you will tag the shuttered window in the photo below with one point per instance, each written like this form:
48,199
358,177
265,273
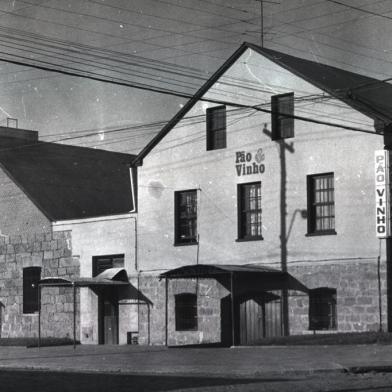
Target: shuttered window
249,211
282,125
322,309
102,263
321,204
216,128
31,277
185,217
186,312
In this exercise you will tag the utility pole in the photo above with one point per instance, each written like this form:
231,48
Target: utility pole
262,18
261,23
283,147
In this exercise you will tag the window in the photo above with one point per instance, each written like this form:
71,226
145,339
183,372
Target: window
216,128
102,263
31,277
185,217
186,312
249,211
322,308
282,126
321,204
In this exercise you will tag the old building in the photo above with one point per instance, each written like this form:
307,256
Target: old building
66,213
256,206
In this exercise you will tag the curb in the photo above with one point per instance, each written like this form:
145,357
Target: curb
121,372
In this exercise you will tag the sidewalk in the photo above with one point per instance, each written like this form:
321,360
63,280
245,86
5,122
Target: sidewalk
241,361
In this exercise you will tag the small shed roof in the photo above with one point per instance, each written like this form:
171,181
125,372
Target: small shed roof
109,277
263,276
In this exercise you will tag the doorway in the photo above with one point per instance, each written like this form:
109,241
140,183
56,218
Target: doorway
108,319
260,316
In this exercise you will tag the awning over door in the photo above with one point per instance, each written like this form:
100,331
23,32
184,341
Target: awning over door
250,275
109,277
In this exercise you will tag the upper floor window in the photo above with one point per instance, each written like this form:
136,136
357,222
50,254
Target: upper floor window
31,277
282,125
249,211
216,128
102,263
322,308
186,312
321,204
185,206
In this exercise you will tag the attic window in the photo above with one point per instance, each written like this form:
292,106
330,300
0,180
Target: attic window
216,128
282,125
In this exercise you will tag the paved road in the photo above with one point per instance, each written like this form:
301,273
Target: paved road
34,381
138,368
256,361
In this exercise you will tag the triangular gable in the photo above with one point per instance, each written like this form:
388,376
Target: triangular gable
344,82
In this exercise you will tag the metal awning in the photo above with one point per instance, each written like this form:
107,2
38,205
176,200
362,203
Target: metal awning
270,278
239,280
109,277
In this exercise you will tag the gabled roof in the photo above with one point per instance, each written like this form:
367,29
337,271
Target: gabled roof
69,182
369,96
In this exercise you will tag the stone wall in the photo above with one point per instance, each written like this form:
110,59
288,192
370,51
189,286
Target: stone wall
152,318
356,284
53,253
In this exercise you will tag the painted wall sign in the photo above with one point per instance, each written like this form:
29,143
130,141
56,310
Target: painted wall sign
383,226
247,163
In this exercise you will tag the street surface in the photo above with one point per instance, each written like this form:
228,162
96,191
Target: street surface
31,381
143,368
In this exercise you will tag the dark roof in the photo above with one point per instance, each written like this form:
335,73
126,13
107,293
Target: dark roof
109,277
198,270
370,96
265,276
69,182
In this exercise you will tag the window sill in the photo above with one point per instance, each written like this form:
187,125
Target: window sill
318,233
185,243
31,314
249,239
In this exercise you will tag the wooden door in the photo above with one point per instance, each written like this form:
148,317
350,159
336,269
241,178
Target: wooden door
260,317
251,321
108,320
273,317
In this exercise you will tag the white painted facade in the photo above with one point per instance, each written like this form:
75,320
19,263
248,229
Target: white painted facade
102,236
181,162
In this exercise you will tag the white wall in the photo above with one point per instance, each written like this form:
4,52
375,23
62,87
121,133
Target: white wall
180,161
98,237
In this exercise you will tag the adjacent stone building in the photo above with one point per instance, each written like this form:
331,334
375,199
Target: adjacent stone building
67,214
256,206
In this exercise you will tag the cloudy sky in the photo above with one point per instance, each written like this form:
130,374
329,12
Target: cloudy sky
169,45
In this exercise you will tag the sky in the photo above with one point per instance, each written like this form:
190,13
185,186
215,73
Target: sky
170,45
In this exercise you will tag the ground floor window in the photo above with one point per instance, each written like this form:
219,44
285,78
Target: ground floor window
102,263
322,308
186,312
31,277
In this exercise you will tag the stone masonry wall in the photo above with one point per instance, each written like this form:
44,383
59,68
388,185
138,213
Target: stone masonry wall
53,253
356,285
152,318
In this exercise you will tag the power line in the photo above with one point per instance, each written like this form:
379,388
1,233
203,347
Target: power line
360,9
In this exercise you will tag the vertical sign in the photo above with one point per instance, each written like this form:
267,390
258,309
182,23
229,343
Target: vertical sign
382,193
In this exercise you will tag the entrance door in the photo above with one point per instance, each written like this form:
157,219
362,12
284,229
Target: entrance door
260,317
108,321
